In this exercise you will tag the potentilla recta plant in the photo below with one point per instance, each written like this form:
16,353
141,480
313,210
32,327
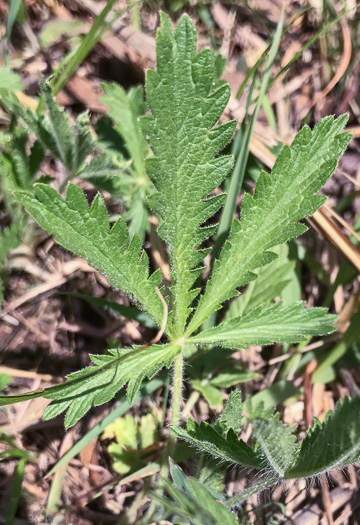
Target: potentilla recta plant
186,100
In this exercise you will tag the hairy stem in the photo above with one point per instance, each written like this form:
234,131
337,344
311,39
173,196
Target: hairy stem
175,411
174,420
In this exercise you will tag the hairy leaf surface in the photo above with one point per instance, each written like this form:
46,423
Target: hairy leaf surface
277,442
98,384
186,102
278,323
86,232
228,447
270,216
335,443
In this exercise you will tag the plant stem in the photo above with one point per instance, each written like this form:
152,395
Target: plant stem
174,420
175,411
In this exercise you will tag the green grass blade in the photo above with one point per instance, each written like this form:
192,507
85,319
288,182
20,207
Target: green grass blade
14,9
16,492
238,173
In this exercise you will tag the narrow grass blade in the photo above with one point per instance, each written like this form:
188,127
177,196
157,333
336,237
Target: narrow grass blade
16,492
14,9
238,173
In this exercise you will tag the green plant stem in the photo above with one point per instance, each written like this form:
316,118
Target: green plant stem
174,420
175,410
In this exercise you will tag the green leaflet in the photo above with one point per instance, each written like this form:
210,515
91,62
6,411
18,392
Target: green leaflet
270,216
227,447
263,326
277,443
85,231
333,444
185,102
98,384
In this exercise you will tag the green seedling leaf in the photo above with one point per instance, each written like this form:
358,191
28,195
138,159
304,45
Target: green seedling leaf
186,103
216,510
57,29
22,166
232,376
263,326
270,216
86,232
212,395
271,281
125,110
270,397
194,501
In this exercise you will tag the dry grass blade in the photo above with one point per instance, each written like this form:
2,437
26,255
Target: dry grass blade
344,63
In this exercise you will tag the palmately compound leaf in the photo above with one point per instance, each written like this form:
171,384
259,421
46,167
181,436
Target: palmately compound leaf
278,323
270,216
185,102
86,232
333,444
277,443
227,447
98,384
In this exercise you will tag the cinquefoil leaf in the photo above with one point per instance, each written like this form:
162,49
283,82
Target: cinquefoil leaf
185,102
86,232
270,216
97,384
278,323
333,444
